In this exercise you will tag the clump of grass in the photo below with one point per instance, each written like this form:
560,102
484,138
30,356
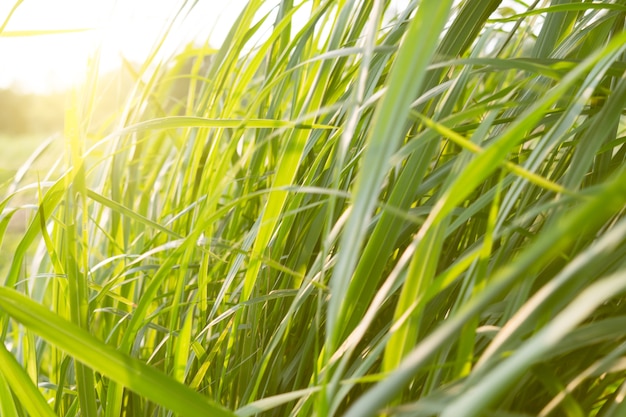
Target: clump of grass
413,212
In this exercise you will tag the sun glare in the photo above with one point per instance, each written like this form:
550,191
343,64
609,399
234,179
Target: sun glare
42,59
47,45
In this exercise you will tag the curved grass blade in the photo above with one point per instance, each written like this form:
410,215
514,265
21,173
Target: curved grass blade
123,369
22,386
266,404
406,77
172,122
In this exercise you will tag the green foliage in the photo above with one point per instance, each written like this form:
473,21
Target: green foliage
370,211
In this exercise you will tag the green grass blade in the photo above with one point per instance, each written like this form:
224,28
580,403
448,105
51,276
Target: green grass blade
25,390
408,73
105,360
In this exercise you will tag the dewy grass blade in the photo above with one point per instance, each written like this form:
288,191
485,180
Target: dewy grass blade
102,358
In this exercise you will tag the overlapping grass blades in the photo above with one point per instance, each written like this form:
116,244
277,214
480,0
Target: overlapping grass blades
364,211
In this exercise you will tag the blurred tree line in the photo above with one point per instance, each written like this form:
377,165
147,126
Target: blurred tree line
43,114
28,113
24,113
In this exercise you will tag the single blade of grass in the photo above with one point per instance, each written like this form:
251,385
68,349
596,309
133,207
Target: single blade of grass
7,403
10,14
119,208
569,7
269,403
75,248
173,122
407,75
22,386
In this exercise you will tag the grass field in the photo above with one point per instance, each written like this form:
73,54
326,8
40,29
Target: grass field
17,149
16,152
370,212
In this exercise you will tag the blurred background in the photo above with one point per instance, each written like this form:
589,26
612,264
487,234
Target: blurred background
47,47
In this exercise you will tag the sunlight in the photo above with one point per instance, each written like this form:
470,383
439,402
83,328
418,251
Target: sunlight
52,62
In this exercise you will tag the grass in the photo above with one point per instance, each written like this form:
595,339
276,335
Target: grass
16,150
23,162
369,212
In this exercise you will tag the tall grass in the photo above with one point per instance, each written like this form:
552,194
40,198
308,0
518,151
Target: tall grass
370,211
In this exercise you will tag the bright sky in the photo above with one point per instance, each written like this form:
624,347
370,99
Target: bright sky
121,27
124,27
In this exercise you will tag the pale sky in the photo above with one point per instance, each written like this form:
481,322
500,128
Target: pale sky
126,27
